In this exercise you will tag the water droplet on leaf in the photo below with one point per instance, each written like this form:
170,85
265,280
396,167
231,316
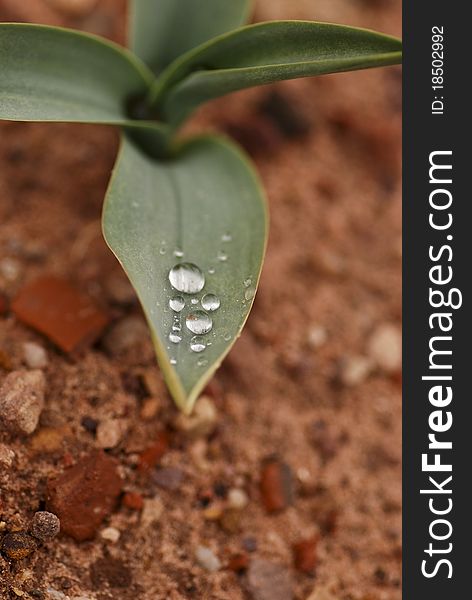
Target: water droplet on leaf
226,237
177,303
197,344
187,278
210,302
199,322
249,294
174,338
222,256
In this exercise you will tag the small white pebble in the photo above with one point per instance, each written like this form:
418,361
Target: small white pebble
237,498
317,336
385,347
202,422
152,511
207,559
110,432
110,534
354,370
34,355
10,269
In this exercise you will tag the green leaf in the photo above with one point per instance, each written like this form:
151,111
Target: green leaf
55,74
193,202
163,30
265,53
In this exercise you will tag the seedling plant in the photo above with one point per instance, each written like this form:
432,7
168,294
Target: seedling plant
186,218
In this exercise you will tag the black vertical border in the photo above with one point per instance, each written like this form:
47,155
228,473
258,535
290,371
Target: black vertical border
422,134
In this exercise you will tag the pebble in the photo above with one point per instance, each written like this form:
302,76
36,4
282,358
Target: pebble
149,458
237,498
85,494
45,526
207,559
150,409
276,485
317,337
238,562
354,370
304,555
133,500
10,269
18,545
152,511
110,534
35,356
61,312
110,432
7,456
125,335
202,422
22,400
168,478
268,581
385,347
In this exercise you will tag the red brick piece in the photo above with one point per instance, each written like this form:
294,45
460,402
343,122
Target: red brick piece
276,485
304,555
84,495
62,313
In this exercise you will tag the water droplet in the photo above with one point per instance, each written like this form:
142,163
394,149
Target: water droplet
178,253
174,338
199,322
227,337
194,300
226,237
187,278
210,302
249,294
201,362
222,256
177,303
197,344
173,361
247,282
211,270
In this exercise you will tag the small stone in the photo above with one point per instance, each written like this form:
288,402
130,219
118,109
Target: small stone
45,526
22,400
168,478
230,520
152,511
317,337
89,424
353,370
304,555
133,500
203,420
110,432
61,312
149,458
49,439
150,409
110,534
125,335
237,499
207,559
249,544
35,356
7,456
10,269
238,562
18,545
385,347
276,485
85,494
268,581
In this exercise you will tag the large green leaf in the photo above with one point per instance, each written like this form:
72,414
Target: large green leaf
55,74
207,203
163,30
265,53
